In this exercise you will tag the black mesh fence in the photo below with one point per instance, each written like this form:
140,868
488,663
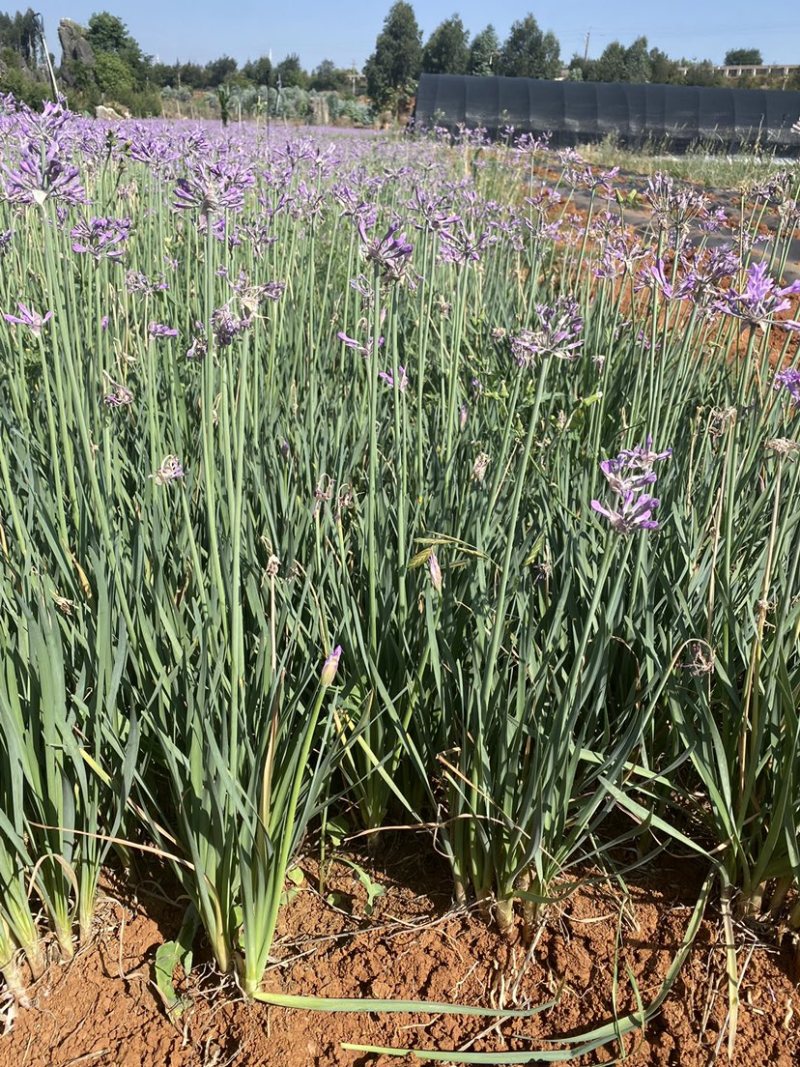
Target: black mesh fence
674,115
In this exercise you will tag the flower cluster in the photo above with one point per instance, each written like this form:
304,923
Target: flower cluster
213,187
760,300
101,238
42,175
789,379
227,326
629,475
118,395
459,245
557,334
390,254
159,330
136,282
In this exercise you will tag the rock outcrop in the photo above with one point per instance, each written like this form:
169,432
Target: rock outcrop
75,49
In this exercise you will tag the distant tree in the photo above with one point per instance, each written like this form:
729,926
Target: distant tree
663,70
394,66
610,67
621,64
290,73
529,53
192,75
484,52
703,74
327,77
20,34
582,70
163,74
259,71
219,71
108,35
743,57
638,67
447,48
114,76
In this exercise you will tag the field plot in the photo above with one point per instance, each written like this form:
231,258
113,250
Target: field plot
399,603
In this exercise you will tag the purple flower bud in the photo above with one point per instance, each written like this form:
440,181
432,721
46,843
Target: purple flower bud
330,667
435,572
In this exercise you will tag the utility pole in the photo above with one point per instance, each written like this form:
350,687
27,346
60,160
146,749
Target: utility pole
586,45
47,55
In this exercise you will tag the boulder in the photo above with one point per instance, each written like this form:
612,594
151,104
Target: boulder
108,113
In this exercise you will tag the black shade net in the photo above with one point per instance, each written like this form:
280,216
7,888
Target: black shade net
572,112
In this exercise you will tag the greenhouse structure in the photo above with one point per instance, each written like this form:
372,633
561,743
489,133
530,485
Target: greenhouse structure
574,112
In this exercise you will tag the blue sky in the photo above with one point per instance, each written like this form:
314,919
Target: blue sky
345,30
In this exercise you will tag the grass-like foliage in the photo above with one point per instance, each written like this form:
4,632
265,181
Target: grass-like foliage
367,478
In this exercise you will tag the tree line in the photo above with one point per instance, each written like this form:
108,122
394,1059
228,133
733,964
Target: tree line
528,52
120,72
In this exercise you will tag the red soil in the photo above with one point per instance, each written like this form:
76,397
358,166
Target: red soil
103,1007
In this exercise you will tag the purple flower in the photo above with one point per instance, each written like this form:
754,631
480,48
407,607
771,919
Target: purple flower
198,349
789,379
5,241
675,206
460,246
27,317
402,378
170,470
136,282
589,179
433,209
760,300
158,329
351,342
118,395
716,220
642,459
655,277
